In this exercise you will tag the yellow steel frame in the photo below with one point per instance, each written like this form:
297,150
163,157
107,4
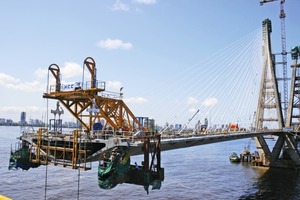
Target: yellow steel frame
114,111
75,152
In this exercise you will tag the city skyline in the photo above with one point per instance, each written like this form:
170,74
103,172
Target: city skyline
38,122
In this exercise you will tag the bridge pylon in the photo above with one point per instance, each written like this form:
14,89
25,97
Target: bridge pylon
269,112
293,114
293,117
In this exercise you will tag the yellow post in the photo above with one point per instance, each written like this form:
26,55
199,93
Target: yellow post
74,152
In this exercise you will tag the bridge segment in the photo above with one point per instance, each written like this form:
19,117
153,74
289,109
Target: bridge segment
171,143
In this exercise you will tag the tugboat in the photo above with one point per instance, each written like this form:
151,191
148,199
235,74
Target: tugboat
234,157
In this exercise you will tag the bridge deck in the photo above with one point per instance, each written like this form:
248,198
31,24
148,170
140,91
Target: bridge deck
170,143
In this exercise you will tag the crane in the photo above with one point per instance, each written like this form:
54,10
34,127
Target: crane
193,116
190,119
283,53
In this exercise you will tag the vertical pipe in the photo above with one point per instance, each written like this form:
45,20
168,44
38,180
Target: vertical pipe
146,154
158,153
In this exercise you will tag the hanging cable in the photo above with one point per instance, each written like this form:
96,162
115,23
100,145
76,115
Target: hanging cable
218,67
78,175
77,126
225,70
47,119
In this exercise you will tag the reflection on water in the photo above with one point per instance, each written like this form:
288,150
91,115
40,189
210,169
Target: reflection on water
275,183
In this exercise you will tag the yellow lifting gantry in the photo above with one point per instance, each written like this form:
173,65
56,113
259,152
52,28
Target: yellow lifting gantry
87,96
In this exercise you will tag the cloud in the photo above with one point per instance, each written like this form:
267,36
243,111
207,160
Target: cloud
191,101
41,73
209,102
114,44
119,6
10,82
71,69
114,85
68,70
147,2
136,100
7,79
33,86
193,110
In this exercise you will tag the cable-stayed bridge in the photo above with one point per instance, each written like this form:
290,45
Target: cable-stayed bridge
233,96
110,133
268,115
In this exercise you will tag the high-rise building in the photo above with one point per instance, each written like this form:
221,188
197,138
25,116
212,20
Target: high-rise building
177,126
206,122
2,120
23,118
151,125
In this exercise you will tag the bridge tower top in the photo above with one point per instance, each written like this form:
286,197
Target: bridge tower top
293,115
269,111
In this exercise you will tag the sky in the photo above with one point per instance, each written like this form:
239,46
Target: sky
162,52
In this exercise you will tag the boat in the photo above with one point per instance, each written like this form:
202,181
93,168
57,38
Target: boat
234,157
